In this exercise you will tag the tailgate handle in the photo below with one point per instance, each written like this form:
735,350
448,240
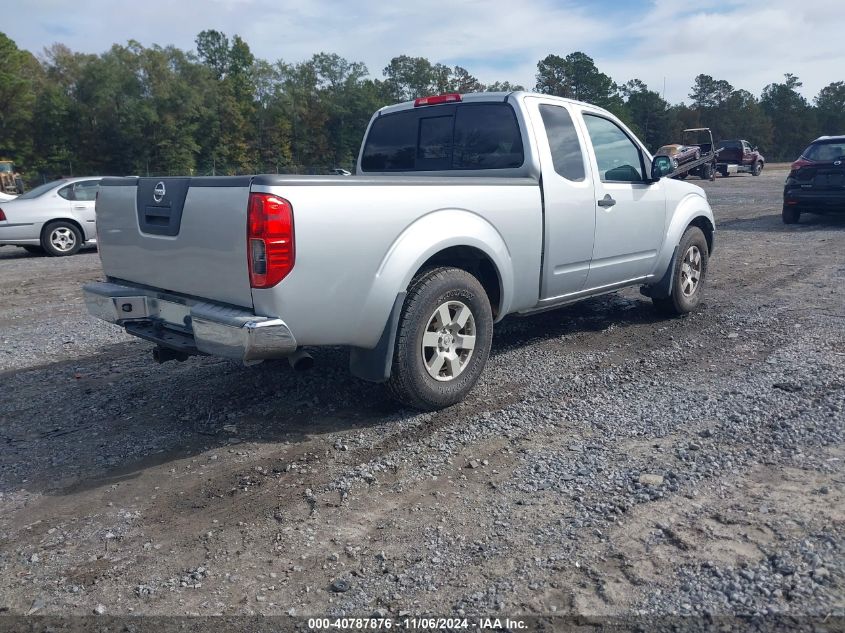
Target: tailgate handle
159,216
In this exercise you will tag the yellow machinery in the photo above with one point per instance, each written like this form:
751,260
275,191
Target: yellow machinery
10,180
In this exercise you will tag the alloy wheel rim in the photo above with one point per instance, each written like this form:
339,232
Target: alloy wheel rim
691,271
63,239
448,340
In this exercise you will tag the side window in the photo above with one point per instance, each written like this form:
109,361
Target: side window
618,159
567,158
487,137
86,191
391,144
66,192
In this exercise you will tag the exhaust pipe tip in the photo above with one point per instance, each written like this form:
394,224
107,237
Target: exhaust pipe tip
301,360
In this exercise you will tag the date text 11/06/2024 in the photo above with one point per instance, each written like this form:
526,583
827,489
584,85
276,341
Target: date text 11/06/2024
416,623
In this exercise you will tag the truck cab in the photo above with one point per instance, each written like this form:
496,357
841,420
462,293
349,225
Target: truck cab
739,156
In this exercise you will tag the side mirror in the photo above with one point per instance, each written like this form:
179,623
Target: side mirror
754,148
661,166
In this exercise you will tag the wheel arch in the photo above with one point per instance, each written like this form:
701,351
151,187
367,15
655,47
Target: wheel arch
448,237
706,227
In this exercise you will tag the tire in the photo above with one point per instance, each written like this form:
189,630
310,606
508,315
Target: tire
790,215
34,250
724,171
61,238
758,167
706,171
687,289
430,368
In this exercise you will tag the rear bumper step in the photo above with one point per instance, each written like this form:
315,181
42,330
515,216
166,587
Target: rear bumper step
190,326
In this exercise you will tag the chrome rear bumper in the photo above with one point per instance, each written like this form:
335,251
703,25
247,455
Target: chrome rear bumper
189,325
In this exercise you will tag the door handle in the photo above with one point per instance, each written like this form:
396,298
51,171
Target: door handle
79,207
607,201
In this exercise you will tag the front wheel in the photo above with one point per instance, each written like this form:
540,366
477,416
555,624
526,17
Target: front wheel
688,275
443,341
758,167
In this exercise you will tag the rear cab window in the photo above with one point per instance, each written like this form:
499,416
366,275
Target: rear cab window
567,157
463,136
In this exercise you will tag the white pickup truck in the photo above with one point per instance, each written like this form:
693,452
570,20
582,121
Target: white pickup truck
464,209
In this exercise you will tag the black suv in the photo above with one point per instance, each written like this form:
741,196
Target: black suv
816,181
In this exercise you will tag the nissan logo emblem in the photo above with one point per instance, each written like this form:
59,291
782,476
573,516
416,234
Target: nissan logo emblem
839,162
159,191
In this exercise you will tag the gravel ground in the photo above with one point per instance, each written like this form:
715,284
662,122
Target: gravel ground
609,463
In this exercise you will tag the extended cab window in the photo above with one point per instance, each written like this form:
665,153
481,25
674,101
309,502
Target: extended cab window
439,138
618,159
567,158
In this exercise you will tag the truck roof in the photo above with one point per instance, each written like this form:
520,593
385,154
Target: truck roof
480,97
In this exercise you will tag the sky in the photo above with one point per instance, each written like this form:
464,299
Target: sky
749,43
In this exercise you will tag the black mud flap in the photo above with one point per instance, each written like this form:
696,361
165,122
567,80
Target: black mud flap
663,288
374,364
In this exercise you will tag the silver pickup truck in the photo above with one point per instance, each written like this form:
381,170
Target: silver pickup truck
464,209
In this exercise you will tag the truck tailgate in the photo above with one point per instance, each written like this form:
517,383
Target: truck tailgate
184,235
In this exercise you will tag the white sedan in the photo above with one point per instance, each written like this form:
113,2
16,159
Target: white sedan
56,218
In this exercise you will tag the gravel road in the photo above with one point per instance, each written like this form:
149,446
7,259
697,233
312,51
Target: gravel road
609,463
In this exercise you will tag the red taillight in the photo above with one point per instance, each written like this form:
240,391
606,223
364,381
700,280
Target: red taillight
798,164
2,216
449,98
270,243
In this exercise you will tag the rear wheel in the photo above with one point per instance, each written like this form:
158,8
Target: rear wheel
724,171
61,238
443,342
706,171
758,167
688,275
790,215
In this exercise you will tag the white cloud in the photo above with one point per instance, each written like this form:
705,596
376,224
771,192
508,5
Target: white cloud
748,43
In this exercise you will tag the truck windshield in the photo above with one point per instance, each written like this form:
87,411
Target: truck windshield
438,138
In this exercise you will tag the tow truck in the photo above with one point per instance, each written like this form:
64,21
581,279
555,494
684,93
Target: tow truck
705,166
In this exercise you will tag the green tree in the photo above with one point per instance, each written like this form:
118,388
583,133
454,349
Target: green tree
19,72
503,86
409,77
708,93
648,114
830,106
793,119
213,50
577,77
